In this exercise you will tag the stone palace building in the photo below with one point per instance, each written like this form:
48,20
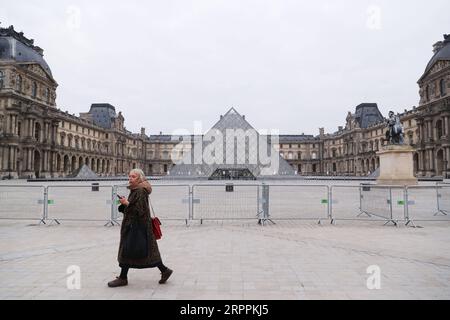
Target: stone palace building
39,140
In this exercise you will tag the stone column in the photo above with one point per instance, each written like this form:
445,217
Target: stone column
5,158
30,159
44,138
54,133
430,129
11,158
45,158
29,127
446,127
431,159
15,125
421,137
447,152
8,124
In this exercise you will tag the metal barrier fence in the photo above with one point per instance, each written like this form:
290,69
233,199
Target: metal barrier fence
79,203
226,202
367,202
230,201
170,202
431,203
18,202
298,202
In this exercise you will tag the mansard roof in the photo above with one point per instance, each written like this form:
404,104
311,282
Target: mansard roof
13,45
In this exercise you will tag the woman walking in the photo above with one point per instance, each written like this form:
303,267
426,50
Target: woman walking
136,212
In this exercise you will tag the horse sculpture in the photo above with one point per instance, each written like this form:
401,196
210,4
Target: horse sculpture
394,134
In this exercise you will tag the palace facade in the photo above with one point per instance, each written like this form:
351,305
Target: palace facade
39,140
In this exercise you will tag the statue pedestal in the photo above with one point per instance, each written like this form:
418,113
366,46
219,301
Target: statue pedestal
396,165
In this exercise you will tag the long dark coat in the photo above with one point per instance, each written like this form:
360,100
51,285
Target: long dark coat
138,206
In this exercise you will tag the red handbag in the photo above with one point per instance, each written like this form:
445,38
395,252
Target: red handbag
156,225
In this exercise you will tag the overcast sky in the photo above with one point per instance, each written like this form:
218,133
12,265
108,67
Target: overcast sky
292,65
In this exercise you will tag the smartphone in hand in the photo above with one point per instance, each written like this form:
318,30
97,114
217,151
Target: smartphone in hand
119,196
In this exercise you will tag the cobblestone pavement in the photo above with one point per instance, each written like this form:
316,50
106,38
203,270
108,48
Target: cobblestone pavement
231,260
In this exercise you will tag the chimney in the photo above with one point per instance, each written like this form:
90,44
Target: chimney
321,132
143,131
340,128
243,117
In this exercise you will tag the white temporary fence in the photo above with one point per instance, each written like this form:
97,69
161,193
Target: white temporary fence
428,203
298,202
226,202
20,202
82,203
367,203
230,201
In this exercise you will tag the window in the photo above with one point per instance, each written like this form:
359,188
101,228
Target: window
19,124
439,129
427,93
2,77
37,131
19,83
34,90
442,87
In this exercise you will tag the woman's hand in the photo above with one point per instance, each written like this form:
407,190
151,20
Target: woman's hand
124,201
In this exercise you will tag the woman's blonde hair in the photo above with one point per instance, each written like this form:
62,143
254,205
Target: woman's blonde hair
140,174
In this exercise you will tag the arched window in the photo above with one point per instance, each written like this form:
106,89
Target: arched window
19,83
34,90
2,77
442,87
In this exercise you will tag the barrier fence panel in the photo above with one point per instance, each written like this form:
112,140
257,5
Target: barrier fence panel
360,202
170,202
22,202
84,203
443,195
428,203
385,202
225,201
298,202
